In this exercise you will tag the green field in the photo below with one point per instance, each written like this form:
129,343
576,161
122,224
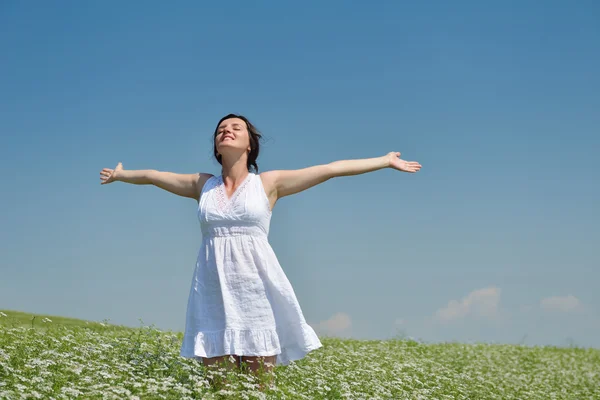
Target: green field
49,357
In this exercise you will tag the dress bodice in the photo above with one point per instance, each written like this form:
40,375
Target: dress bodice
246,212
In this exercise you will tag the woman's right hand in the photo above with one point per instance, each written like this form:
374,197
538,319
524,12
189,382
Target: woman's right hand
108,175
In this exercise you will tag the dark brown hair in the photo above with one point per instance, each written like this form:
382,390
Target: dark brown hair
254,136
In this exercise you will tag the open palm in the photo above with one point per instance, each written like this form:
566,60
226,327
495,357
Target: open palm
402,165
108,175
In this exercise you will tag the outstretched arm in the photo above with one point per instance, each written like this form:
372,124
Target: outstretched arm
185,185
280,183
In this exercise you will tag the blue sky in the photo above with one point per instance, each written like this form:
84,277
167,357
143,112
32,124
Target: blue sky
494,240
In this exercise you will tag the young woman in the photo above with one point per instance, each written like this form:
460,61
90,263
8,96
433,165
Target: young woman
241,306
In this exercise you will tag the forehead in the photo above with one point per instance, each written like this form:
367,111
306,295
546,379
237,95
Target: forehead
232,122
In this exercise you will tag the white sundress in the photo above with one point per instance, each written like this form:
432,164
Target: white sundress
241,301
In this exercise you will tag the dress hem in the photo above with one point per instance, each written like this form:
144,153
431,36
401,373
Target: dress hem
251,342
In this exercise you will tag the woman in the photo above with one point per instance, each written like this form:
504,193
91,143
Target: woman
241,306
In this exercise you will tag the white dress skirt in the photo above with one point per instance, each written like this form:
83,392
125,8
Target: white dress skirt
241,301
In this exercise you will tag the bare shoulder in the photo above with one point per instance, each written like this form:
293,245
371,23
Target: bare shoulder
269,182
201,179
286,182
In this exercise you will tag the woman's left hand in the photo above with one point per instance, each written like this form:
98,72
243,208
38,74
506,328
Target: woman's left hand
396,162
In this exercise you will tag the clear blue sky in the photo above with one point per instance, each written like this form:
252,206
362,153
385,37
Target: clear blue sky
495,239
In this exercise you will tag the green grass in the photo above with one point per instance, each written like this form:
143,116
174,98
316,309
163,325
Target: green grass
19,318
69,358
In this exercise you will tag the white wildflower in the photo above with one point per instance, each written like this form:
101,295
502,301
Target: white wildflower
71,391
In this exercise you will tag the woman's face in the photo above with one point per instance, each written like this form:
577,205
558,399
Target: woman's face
232,137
